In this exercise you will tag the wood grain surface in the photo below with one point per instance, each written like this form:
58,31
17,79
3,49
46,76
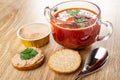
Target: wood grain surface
16,13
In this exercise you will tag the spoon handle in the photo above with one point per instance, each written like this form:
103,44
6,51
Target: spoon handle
79,76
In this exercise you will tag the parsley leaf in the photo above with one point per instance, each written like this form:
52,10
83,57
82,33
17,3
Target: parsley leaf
82,22
73,12
24,56
28,53
28,50
33,53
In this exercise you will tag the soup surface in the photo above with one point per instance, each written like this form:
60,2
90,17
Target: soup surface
76,17
75,27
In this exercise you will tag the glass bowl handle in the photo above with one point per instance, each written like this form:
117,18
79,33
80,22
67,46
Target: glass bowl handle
108,26
47,13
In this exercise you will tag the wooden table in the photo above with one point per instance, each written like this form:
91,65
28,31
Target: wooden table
15,13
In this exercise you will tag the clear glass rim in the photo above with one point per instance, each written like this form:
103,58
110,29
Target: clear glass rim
97,15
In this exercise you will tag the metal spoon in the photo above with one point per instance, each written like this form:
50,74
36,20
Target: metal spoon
94,62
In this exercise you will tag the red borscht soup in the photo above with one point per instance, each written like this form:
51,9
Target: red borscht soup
75,27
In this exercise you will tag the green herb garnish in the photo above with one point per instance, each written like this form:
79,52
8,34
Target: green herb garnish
28,53
73,12
82,22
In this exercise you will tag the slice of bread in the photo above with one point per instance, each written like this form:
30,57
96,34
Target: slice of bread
29,64
64,61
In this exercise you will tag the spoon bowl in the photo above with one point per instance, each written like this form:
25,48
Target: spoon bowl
94,62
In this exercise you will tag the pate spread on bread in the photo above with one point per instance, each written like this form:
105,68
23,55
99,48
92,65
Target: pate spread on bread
28,64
